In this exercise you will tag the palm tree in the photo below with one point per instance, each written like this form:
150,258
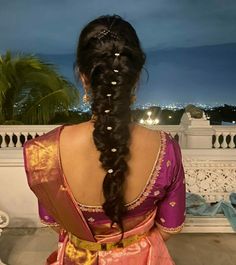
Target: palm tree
32,90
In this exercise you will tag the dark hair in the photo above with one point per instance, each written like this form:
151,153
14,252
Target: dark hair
106,44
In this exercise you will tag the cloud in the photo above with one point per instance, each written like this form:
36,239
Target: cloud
42,26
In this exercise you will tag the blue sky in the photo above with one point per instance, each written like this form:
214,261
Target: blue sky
165,28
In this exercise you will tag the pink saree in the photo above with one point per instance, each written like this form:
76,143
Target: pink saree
160,206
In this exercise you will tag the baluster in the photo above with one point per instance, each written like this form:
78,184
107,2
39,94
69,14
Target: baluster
18,143
173,134
30,134
25,134
217,142
34,134
2,144
231,143
11,144
178,137
224,143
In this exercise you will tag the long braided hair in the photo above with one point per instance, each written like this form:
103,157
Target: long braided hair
110,56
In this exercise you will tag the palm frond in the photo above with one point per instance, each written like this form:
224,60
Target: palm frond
35,87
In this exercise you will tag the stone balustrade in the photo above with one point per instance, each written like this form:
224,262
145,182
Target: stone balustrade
209,158
14,136
190,133
224,136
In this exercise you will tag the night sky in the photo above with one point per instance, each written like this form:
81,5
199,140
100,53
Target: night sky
190,45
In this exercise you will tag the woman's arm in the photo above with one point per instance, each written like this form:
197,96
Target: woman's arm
171,208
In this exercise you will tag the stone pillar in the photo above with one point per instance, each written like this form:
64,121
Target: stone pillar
196,133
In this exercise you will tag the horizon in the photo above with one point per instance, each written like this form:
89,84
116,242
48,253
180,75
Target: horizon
202,74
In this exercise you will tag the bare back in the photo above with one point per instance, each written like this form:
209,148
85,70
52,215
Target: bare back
83,170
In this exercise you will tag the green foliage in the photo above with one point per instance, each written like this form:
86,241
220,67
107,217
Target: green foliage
73,117
32,90
13,122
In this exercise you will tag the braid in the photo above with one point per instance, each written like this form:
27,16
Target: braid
109,54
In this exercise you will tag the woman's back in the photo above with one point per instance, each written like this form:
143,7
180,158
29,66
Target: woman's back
111,185
82,169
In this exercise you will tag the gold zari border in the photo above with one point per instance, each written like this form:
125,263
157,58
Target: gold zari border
172,230
149,185
49,224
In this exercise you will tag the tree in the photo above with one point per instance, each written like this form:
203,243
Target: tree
32,91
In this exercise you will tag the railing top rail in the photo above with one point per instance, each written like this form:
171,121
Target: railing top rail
224,128
26,128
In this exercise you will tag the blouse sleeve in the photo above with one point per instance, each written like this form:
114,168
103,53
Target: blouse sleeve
45,217
171,209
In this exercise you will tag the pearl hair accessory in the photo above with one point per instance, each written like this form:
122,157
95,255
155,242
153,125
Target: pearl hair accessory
116,71
110,170
109,128
107,111
113,150
113,83
117,54
108,95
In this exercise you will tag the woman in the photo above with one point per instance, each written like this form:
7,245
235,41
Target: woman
114,190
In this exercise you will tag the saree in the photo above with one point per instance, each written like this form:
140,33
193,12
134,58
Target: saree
85,230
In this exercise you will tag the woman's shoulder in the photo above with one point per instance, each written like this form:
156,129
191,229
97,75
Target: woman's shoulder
82,133
144,131
170,144
153,133
46,137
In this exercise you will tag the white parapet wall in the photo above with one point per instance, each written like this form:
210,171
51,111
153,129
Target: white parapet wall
210,172
16,198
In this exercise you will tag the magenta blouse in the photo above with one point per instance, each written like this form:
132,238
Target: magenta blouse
165,189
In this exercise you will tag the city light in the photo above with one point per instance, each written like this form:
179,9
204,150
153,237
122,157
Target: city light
149,120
